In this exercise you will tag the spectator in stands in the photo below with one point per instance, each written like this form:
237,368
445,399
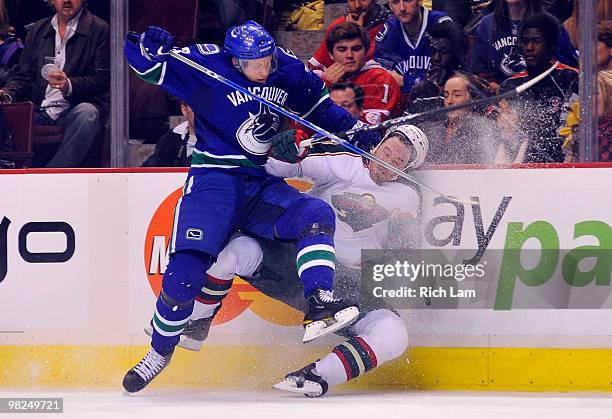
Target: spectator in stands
348,44
175,147
496,55
604,89
10,46
366,13
537,112
604,12
459,10
75,95
467,136
448,45
236,12
561,9
402,46
349,96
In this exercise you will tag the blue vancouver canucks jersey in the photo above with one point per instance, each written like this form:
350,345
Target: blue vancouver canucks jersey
232,128
496,54
394,51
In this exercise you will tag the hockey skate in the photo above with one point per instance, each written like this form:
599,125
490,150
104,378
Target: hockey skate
305,381
326,315
145,371
195,333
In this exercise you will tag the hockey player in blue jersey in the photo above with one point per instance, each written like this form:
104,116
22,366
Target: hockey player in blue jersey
227,188
402,46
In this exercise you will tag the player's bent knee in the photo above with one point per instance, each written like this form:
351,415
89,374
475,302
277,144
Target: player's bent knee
317,217
185,275
396,329
248,254
388,334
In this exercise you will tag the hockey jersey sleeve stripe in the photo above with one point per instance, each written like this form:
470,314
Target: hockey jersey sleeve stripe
324,95
154,75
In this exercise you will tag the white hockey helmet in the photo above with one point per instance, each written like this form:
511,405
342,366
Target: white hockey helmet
413,136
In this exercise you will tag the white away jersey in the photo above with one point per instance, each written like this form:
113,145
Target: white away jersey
362,207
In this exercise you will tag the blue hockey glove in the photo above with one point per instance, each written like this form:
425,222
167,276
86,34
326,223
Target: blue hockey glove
155,44
286,146
366,140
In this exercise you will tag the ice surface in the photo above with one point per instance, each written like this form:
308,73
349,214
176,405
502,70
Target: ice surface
176,404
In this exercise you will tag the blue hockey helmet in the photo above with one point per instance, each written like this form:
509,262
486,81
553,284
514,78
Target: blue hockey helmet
249,41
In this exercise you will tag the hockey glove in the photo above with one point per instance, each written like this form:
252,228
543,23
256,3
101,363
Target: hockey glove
366,140
155,44
286,146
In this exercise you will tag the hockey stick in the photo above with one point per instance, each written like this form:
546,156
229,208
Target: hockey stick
176,55
440,111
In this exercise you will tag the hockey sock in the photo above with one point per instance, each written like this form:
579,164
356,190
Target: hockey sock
183,278
382,337
210,297
316,262
312,223
347,361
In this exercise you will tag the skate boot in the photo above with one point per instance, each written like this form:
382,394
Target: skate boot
145,371
195,333
326,314
305,381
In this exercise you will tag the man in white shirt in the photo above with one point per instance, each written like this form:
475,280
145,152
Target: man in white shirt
74,90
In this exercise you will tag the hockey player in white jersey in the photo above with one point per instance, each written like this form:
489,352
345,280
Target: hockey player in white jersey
373,211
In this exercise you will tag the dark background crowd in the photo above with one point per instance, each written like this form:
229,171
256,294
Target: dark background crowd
379,60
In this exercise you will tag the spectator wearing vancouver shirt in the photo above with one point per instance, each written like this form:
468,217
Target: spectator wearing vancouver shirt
402,46
537,111
496,54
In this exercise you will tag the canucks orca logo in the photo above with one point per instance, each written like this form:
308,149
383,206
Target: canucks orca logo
255,133
512,63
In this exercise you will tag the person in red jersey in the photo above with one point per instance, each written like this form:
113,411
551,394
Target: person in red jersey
349,43
367,14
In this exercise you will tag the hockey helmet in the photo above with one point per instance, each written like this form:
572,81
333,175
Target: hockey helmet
414,137
249,41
